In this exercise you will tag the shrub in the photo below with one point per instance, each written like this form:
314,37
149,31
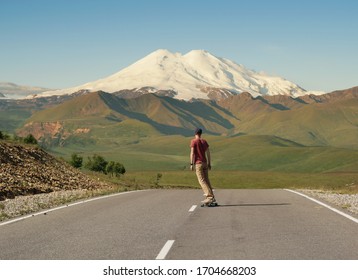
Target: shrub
159,176
76,160
30,139
115,168
119,169
4,136
97,163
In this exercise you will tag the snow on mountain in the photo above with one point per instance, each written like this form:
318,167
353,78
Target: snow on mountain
192,75
14,91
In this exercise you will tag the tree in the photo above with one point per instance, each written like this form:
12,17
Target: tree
76,160
30,139
119,169
97,163
115,168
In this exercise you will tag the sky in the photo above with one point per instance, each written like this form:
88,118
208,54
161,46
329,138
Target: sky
60,44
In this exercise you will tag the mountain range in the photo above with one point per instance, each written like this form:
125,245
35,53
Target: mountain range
325,120
146,112
194,75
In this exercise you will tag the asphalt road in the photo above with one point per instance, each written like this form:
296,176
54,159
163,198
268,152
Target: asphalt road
248,224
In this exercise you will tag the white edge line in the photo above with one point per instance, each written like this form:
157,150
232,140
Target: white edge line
192,209
325,205
165,250
63,206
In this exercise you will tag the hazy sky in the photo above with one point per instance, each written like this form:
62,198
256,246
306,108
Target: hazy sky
60,44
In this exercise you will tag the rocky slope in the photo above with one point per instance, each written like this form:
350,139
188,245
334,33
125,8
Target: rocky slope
30,170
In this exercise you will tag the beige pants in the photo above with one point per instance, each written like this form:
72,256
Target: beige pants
202,173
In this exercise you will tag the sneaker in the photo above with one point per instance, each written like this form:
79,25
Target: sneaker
208,200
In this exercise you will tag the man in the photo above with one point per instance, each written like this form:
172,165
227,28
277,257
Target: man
201,160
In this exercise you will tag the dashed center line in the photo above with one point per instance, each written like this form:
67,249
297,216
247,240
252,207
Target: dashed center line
192,209
165,250
168,245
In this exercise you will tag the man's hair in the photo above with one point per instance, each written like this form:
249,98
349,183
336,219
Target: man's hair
198,131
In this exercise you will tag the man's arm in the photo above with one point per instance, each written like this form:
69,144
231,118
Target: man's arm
192,158
209,158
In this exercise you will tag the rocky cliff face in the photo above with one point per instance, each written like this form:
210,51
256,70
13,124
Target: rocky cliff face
30,170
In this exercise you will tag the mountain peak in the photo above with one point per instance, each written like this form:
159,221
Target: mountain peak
160,53
197,53
190,76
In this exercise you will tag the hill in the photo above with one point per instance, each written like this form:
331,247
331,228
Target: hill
328,120
89,114
30,170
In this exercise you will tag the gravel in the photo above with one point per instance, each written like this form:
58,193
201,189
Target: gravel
22,205
348,202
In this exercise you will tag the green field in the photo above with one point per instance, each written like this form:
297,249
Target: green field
238,162
341,182
245,153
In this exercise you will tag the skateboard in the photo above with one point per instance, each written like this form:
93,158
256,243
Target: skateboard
210,204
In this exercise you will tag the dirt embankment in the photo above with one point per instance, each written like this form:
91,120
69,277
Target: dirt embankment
30,170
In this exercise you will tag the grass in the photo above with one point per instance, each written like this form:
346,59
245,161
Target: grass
249,153
248,161
338,182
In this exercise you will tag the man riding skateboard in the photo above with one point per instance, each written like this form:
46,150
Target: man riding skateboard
200,160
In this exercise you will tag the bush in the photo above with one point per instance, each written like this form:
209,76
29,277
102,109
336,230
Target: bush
115,168
159,176
30,139
97,163
4,136
76,160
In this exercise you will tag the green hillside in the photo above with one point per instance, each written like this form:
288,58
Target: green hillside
328,124
150,132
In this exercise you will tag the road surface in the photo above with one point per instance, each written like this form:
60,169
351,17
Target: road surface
248,224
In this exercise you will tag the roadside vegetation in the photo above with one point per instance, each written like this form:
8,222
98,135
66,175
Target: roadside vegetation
29,139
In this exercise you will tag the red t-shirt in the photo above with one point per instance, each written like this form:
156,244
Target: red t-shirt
200,146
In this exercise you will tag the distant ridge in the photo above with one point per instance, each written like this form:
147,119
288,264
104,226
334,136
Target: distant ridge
14,91
327,120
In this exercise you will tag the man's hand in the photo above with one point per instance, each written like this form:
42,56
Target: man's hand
191,167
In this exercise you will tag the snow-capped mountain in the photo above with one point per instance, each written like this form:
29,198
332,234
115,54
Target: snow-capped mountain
14,91
196,74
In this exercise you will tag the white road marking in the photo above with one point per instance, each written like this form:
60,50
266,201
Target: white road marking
192,209
63,206
165,250
325,205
